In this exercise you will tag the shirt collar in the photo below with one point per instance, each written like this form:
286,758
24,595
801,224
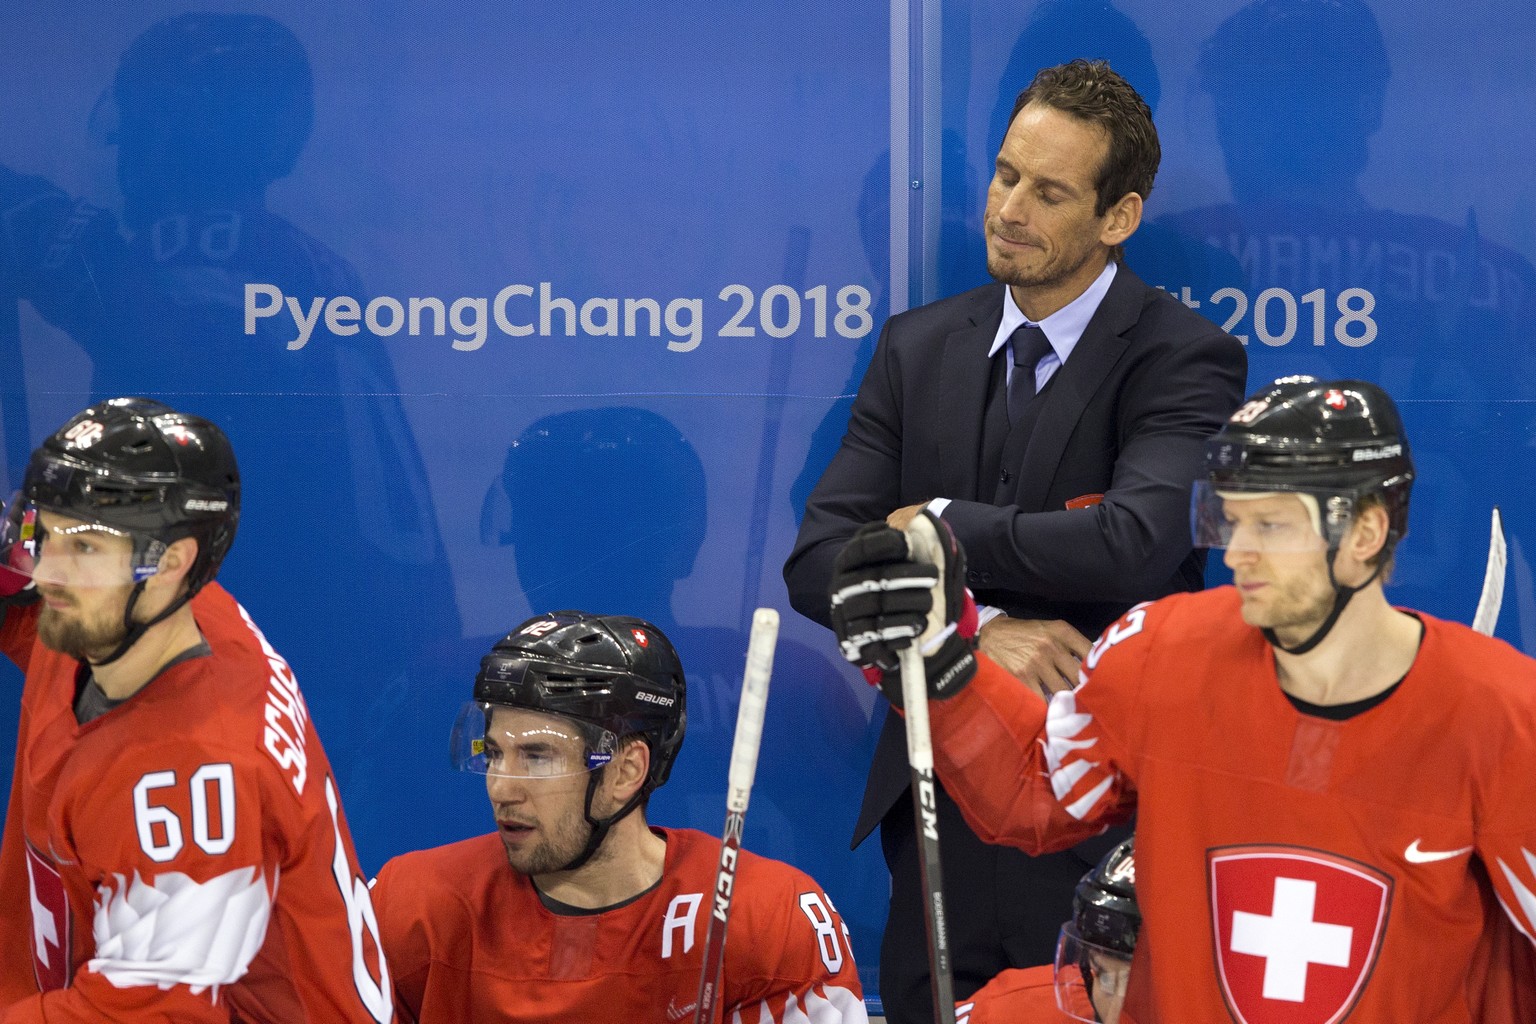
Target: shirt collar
1063,328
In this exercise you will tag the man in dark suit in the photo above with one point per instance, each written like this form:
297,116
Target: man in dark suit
1055,420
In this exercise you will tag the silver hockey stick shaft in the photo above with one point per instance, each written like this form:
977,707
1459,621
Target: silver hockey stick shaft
749,737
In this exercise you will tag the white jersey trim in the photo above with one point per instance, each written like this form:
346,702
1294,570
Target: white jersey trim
825,1004
171,930
1523,894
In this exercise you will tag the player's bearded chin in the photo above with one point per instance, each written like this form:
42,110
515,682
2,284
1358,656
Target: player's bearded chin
67,632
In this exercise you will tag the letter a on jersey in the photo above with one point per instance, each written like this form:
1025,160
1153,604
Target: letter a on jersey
1297,931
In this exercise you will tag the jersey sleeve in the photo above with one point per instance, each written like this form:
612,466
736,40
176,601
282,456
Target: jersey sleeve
798,967
18,629
184,887
1044,777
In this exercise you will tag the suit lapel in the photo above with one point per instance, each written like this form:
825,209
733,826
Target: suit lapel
1074,385
964,377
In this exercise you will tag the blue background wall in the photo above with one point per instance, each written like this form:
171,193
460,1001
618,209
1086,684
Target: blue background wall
1344,184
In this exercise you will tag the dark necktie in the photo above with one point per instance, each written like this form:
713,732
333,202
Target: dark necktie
1029,345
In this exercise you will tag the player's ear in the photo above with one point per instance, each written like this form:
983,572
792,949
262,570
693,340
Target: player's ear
1368,533
175,564
629,770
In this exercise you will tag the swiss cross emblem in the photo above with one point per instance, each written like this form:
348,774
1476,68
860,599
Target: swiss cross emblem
641,638
50,923
1335,399
1297,931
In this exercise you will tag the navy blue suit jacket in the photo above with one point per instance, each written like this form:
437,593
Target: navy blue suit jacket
1125,417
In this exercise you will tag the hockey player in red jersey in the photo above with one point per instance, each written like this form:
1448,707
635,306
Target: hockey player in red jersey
575,909
1093,958
1333,795
174,850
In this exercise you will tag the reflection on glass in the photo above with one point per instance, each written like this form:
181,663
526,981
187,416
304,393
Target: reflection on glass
1334,284
338,554
606,511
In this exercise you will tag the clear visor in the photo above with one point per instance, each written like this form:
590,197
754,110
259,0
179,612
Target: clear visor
1248,519
46,547
514,743
1091,980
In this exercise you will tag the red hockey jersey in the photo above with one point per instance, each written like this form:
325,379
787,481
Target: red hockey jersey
468,939
1289,869
182,857
1024,995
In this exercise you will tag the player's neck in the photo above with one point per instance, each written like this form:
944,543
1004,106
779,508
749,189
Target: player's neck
1369,649
628,863
160,644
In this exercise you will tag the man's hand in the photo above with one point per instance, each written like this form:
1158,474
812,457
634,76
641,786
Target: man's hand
902,518
884,597
1044,653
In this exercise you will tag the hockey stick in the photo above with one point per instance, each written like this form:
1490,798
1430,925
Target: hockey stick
1492,599
923,545
749,735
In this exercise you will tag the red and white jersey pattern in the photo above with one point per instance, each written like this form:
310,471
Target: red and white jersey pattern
183,856
468,939
1297,869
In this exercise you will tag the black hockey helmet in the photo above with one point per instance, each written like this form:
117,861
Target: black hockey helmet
1104,904
1333,444
1094,952
617,672
140,467
1343,439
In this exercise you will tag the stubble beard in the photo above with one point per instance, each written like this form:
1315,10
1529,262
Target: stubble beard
1296,616
73,637
1052,272
563,843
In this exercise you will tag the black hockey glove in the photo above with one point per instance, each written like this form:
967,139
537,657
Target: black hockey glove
891,586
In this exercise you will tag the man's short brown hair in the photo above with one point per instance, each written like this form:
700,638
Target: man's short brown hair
1090,91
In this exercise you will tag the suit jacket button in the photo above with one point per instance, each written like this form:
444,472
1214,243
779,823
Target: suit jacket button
972,576
1007,477
986,577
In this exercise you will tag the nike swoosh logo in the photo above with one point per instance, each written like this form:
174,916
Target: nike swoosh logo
1415,855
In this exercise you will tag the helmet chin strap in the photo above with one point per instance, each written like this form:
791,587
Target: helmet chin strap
133,632
600,827
1341,596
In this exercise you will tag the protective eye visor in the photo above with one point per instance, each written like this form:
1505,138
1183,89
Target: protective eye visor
67,552
1262,517
516,743
1091,980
